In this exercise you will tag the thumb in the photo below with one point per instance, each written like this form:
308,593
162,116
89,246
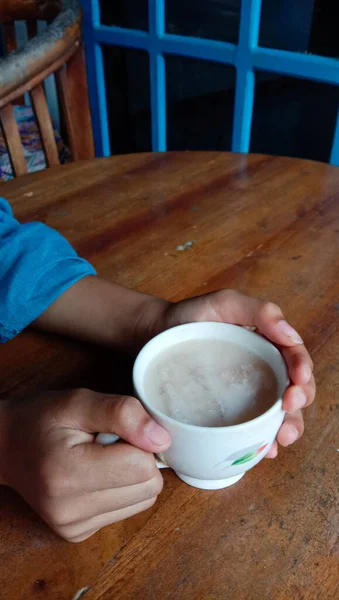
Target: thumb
123,416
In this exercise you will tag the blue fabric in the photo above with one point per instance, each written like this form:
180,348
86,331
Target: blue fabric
36,266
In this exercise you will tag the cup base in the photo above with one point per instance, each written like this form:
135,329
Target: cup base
210,484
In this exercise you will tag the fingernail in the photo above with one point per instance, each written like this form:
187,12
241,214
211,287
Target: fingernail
299,399
156,434
287,330
292,436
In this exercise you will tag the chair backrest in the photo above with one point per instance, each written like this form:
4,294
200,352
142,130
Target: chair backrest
57,50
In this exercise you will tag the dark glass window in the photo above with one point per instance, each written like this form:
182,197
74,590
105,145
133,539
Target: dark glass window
200,99
210,19
124,13
293,117
128,99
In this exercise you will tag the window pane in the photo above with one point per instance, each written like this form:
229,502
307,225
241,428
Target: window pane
200,98
324,34
124,13
210,19
293,117
128,99
286,24
308,26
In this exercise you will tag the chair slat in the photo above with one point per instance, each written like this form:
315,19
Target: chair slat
44,122
73,93
12,138
25,70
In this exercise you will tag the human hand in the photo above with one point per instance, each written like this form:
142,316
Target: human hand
232,307
47,454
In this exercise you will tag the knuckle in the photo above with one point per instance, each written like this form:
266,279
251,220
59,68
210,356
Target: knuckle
300,427
157,484
67,401
269,309
149,503
69,534
79,538
51,486
125,408
58,517
78,394
147,468
232,293
229,295
55,478
297,359
310,395
145,505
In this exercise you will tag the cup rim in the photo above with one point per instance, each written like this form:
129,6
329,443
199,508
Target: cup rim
274,408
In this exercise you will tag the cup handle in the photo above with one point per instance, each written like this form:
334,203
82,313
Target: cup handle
105,439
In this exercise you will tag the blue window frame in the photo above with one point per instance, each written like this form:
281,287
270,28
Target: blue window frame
246,56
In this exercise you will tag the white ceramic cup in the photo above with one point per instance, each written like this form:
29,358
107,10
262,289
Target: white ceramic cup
212,458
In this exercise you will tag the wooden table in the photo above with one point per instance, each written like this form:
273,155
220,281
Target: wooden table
267,226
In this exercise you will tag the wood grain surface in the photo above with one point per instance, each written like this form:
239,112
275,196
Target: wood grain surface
266,226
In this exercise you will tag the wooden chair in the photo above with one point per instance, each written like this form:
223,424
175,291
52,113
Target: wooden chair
58,50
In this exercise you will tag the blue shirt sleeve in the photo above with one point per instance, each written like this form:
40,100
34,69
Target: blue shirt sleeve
36,266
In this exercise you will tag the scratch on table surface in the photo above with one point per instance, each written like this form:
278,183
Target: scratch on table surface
81,593
112,559
253,251
29,194
186,246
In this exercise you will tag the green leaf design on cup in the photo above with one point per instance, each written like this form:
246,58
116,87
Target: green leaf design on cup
234,459
246,458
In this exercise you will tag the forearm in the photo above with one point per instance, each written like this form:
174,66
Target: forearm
101,312
37,265
44,283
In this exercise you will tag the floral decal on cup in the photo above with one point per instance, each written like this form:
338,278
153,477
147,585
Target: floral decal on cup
242,456
249,456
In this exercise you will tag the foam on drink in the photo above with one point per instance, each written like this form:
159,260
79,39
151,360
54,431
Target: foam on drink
210,382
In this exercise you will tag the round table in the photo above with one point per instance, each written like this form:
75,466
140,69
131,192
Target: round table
177,225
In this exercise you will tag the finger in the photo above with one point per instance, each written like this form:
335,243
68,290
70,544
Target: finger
106,501
81,538
299,363
236,308
273,451
107,467
83,530
297,397
121,415
291,429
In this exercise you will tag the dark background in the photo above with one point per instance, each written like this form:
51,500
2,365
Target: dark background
291,116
